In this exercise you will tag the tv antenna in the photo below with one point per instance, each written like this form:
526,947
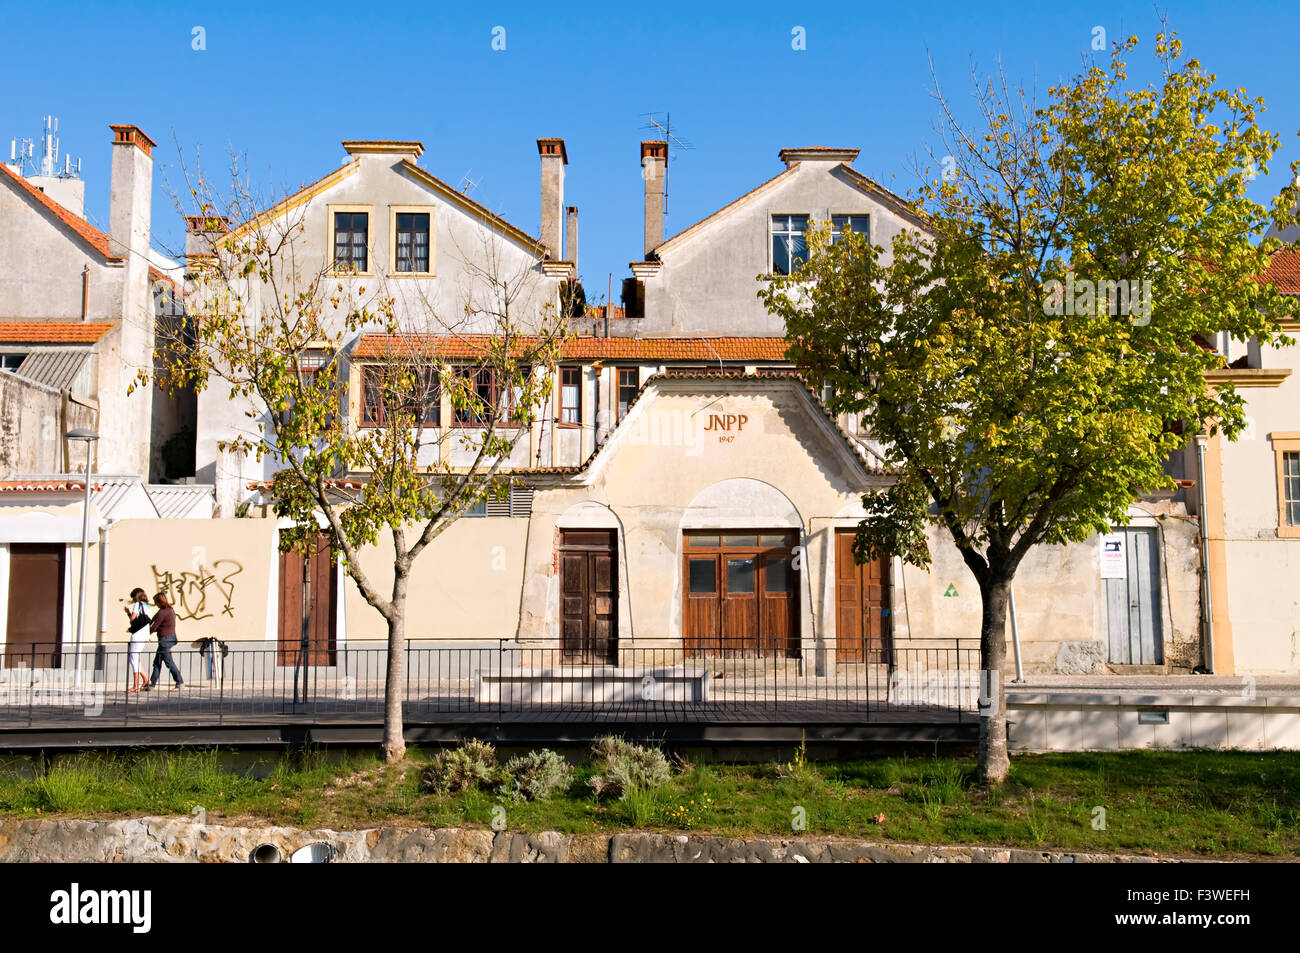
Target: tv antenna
664,127
468,185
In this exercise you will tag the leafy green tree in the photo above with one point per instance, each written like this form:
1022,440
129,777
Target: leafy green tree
267,322
1031,358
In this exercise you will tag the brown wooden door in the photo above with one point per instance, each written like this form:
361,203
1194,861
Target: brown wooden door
589,597
740,594
862,609
35,627
321,613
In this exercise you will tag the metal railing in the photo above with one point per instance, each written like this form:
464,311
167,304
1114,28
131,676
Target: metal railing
729,680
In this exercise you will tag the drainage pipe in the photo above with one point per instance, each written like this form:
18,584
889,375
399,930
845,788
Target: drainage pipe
1208,600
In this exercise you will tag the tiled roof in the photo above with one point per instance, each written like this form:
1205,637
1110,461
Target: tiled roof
87,232
1284,271
52,332
616,313
46,486
340,484
590,348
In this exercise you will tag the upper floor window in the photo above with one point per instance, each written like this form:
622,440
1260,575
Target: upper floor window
412,242
1286,450
571,395
628,385
351,237
789,243
860,224
480,396
11,362
386,391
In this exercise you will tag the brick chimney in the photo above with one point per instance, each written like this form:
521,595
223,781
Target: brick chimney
202,232
554,159
654,160
571,235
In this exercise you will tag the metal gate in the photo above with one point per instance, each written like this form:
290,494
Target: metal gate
1133,612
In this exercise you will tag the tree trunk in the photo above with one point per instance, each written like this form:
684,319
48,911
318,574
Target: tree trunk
993,760
395,681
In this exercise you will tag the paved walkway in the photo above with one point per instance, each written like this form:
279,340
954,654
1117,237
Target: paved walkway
1221,685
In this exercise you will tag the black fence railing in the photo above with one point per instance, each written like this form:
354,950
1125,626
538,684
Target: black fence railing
928,680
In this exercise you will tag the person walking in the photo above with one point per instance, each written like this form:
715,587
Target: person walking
138,627
164,623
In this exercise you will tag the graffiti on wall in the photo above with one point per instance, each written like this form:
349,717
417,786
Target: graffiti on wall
190,590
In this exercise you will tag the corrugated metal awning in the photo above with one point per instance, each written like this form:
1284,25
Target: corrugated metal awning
63,368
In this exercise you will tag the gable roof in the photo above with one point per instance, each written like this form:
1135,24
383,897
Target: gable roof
81,228
851,176
1283,271
474,208
52,332
590,348
304,194
734,382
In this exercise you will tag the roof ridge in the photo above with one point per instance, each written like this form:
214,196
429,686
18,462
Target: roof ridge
84,230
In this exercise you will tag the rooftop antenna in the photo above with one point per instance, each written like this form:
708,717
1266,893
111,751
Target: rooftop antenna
468,185
665,128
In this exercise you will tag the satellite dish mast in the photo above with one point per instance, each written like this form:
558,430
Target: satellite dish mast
665,128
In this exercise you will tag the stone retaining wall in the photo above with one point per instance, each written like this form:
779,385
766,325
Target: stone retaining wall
172,840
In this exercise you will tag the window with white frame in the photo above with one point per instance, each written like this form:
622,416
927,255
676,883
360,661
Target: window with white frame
789,243
859,224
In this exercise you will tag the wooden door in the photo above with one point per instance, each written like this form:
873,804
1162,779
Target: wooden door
589,597
1133,610
862,606
321,613
740,594
35,627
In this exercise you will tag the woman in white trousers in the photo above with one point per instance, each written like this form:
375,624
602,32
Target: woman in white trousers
138,613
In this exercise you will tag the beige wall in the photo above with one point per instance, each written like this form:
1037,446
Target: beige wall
221,574
464,586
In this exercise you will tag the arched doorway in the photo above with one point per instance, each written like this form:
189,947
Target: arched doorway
741,572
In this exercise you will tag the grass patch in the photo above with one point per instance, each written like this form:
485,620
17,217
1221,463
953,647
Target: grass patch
1185,803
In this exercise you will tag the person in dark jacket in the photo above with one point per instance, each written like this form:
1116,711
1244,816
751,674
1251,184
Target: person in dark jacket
164,623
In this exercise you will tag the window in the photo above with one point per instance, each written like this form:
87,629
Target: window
351,236
412,242
11,362
629,382
1291,488
385,390
571,396
789,243
740,575
516,412
1286,449
860,224
704,575
480,396
310,363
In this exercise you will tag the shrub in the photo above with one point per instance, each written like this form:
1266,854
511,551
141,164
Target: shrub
462,769
622,767
535,776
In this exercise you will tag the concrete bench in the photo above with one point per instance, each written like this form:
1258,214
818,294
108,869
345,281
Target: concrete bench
593,684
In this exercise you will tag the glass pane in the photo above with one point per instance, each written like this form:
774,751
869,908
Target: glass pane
776,574
774,540
746,541
780,255
740,575
697,541
798,251
704,575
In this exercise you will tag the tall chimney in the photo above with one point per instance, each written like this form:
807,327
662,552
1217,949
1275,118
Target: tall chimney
654,159
202,232
125,447
130,190
571,235
554,159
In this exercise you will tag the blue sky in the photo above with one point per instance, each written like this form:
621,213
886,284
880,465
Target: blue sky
286,83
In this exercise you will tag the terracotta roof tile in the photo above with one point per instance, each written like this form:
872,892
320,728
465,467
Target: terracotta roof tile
1284,271
46,486
594,348
52,332
88,233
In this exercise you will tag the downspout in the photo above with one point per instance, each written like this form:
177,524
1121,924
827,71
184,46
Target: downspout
1207,601
85,292
1015,634
103,585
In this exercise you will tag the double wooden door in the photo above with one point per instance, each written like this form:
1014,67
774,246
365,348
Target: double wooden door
862,609
35,613
322,606
741,594
589,597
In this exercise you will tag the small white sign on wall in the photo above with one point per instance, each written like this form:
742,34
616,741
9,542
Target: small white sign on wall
1114,558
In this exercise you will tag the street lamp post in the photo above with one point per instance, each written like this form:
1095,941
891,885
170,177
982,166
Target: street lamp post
89,436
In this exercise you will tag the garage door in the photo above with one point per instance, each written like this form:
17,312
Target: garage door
741,593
